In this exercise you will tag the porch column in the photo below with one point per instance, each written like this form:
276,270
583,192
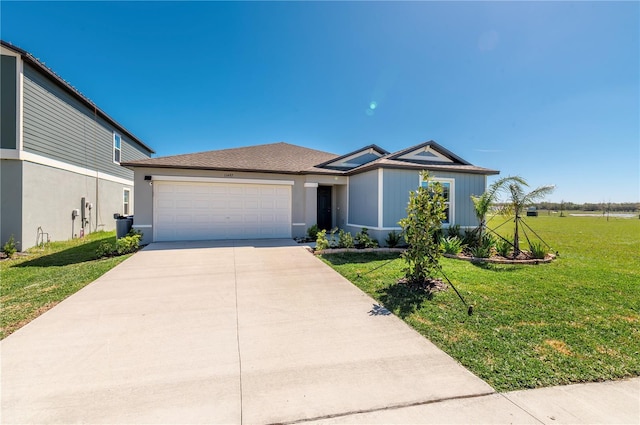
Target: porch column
311,204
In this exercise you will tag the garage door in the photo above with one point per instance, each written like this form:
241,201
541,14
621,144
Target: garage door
205,211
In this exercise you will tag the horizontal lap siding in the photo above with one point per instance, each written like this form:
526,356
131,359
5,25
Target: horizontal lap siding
363,199
59,127
398,184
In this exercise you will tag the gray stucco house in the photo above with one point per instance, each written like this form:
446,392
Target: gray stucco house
279,190
59,153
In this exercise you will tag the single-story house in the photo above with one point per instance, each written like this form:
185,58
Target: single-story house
279,190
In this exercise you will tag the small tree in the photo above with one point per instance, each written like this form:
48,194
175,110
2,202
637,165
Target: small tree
425,213
518,201
483,203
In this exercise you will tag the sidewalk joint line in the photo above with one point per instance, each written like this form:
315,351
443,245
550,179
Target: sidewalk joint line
521,408
381,409
235,279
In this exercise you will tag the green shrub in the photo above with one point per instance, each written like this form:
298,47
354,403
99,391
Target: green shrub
128,244
451,245
470,238
392,239
538,250
321,240
483,248
504,247
105,249
312,232
363,240
454,231
9,247
345,240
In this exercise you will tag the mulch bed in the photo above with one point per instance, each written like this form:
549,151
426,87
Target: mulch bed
520,259
430,286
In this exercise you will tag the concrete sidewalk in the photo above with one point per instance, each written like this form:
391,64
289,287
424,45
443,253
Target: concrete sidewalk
243,332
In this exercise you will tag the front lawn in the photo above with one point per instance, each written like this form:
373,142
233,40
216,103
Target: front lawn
574,320
32,284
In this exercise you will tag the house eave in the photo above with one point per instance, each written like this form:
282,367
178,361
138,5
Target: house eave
60,82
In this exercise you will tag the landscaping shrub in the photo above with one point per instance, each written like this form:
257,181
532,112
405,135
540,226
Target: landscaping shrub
393,239
128,244
345,240
105,249
454,231
483,248
321,240
9,247
451,245
312,232
363,240
538,250
504,247
470,237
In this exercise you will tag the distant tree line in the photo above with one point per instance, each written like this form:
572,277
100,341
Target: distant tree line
602,206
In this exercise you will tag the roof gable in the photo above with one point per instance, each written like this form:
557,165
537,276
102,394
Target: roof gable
355,159
428,153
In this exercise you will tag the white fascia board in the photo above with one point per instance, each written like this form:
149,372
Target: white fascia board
54,163
188,179
380,197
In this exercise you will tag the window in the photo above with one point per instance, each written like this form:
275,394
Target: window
126,203
447,192
117,147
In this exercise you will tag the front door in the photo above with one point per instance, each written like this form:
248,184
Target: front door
324,208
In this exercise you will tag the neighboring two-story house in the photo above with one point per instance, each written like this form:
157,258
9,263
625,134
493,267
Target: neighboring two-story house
60,173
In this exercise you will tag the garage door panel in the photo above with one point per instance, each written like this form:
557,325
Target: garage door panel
200,211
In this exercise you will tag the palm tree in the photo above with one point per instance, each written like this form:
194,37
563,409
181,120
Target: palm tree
483,203
519,200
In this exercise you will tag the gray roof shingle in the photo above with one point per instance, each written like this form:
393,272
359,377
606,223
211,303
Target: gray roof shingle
271,158
286,158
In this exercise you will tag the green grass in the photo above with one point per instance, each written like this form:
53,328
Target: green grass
32,284
574,320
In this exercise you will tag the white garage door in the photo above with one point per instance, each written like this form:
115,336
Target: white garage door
205,211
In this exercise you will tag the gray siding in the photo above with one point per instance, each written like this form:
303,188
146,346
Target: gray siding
58,126
363,199
398,183
11,204
8,135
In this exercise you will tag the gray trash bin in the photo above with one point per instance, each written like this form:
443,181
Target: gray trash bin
123,226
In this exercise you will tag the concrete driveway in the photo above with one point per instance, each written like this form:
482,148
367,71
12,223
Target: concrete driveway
226,332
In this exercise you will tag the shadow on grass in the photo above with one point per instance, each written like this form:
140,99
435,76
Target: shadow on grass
77,254
402,299
492,267
358,258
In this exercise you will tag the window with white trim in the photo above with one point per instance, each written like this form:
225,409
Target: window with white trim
126,201
448,194
117,147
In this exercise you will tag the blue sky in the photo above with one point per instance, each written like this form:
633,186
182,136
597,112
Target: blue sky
545,90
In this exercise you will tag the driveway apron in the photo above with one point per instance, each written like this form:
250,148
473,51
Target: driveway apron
220,332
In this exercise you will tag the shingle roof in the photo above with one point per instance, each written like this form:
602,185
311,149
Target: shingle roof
286,158
271,158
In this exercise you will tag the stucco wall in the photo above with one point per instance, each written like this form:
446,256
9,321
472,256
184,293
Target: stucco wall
53,194
11,205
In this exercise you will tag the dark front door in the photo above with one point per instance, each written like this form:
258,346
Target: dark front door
324,207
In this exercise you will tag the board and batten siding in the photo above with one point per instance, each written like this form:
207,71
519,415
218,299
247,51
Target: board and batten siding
8,134
363,199
398,183
58,126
